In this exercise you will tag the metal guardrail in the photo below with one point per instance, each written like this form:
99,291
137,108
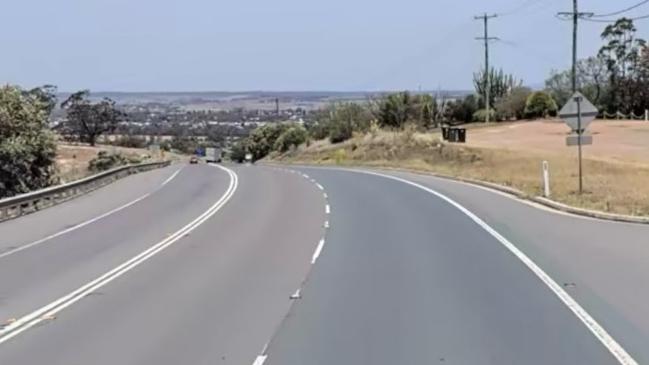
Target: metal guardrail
20,205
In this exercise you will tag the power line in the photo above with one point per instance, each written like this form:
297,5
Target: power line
622,11
615,20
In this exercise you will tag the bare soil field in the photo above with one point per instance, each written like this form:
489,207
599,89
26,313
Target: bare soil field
613,140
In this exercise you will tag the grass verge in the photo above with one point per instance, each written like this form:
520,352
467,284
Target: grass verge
614,187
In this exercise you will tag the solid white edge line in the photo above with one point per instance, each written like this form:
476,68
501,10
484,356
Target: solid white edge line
89,221
318,250
260,360
37,316
171,177
596,329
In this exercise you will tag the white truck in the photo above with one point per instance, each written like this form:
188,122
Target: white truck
212,154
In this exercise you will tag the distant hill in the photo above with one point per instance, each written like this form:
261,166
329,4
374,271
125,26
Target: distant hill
219,100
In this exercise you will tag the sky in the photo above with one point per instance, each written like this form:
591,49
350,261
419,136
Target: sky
282,45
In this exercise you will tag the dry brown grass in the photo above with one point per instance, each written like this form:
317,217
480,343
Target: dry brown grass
610,186
72,160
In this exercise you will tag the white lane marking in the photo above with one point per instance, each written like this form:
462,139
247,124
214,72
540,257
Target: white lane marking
318,250
327,209
171,177
85,223
48,311
326,224
596,329
296,295
260,360
305,176
319,186
325,195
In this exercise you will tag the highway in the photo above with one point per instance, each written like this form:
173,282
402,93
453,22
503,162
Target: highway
200,264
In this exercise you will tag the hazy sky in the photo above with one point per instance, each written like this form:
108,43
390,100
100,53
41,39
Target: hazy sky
165,45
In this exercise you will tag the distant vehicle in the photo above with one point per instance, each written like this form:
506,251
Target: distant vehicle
212,154
193,160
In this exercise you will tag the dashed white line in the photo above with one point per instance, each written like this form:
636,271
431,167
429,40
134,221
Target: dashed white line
48,311
85,223
327,209
326,224
318,250
319,186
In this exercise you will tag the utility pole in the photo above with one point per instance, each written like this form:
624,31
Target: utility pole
575,15
487,80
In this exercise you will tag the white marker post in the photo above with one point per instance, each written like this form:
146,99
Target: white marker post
546,179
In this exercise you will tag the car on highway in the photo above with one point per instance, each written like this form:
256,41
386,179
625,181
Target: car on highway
193,160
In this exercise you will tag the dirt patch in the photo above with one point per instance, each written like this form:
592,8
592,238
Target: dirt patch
613,140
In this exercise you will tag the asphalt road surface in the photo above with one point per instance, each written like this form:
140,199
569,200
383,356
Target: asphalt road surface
198,264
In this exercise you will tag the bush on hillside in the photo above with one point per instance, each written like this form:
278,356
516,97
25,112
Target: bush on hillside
106,161
540,105
291,138
340,131
238,152
131,142
512,106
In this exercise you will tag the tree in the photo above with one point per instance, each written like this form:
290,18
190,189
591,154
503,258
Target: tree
90,120
500,84
512,106
262,140
621,55
395,110
462,111
27,146
540,105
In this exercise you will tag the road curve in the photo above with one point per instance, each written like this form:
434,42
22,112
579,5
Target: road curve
216,296
406,278
317,267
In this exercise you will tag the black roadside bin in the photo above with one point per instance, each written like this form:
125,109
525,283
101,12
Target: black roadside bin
455,134
461,135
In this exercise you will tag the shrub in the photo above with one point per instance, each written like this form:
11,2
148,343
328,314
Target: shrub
480,115
131,142
292,137
238,152
340,131
27,147
105,161
464,110
540,105
513,104
319,130
262,140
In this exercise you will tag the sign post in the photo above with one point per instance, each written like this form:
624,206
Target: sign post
578,100
578,113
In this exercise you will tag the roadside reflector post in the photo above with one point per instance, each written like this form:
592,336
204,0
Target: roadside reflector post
546,179
646,115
